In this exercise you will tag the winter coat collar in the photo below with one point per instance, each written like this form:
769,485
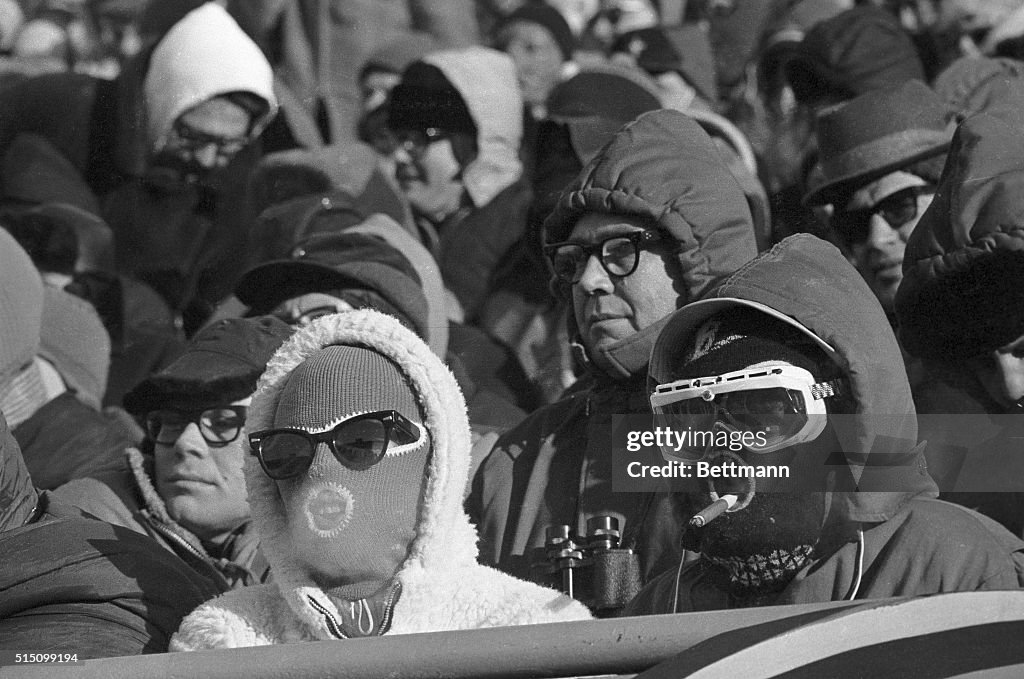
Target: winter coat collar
240,545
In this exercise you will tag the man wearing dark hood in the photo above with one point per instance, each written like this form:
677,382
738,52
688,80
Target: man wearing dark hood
647,226
795,347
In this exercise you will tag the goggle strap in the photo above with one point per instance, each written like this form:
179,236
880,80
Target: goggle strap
823,390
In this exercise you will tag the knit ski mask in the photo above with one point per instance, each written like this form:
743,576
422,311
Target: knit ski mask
352,529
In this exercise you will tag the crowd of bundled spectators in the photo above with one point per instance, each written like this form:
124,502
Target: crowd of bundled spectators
317,317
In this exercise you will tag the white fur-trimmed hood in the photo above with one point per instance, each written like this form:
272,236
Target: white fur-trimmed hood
445,539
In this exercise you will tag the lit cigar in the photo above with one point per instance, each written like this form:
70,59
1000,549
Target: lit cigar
713,511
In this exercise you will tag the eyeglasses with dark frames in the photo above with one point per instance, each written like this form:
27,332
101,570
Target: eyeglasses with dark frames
619,255
307,316
898,210
415,142
218,426
358,443
186,138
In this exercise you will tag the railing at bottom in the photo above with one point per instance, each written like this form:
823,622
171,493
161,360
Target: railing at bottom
622,646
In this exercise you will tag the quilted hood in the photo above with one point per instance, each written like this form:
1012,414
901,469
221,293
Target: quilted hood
664,167
961,293
808,280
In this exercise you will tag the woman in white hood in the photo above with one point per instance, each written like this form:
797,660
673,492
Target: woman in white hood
366,431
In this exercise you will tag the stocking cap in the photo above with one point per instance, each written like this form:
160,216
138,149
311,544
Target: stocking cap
741,337
676,343
426,98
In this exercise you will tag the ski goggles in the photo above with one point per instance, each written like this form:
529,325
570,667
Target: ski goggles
358,443
761,410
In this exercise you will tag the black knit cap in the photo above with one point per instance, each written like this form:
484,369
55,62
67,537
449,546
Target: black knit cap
860,50
547,16
426,98
740,337
652,50
334,262
221,364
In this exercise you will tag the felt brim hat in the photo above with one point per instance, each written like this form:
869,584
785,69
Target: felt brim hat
875,134
683,323
855,52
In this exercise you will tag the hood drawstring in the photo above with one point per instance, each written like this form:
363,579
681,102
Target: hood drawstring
365,624
858,575
363,606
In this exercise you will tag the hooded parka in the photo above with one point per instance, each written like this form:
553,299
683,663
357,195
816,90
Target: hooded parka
555,468
897,542
961,299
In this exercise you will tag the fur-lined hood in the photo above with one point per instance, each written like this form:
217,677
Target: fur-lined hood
442,585
444,537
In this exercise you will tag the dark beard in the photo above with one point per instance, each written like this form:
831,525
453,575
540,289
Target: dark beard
762,546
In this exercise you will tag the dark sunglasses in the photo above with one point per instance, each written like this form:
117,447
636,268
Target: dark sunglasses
358,443
218,426
619,255
854,226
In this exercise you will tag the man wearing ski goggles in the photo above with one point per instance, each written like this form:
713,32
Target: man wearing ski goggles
795,347
731,370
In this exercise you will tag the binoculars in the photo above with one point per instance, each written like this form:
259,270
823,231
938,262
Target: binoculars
592,568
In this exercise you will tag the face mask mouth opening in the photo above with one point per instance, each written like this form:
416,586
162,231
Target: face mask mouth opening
742,487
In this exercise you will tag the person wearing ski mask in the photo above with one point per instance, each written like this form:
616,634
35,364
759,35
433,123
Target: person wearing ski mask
789,345
360,455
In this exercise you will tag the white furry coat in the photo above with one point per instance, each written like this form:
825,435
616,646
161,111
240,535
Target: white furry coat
443,587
